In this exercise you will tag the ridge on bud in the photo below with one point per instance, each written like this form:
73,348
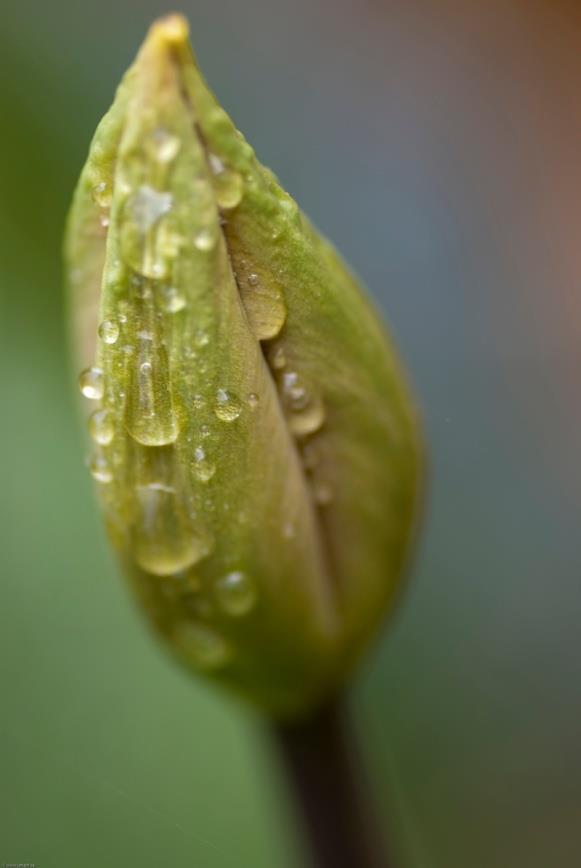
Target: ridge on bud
253,440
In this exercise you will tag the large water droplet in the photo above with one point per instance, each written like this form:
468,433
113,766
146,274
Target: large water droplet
151,419
102,427
109,331
236,594
202,644
92,384
165,543
229,189
264,305
226,408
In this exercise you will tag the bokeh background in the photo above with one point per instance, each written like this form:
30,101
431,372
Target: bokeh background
438,143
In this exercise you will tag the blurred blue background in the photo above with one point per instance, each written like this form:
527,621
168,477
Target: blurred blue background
438,143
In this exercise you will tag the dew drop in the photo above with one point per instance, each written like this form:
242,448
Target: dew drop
288,530
236,594
102,194
201,339
226,407
109,331
203,469
171,299
295,394
147,206
305,411
323,493
101,427
253,400
229,189
205,239
151,419
100,468
165,542
253,279
205,430
278,358
92,384
104,220
163,146
199,402
202,644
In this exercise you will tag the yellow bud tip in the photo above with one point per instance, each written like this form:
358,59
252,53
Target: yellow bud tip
170,30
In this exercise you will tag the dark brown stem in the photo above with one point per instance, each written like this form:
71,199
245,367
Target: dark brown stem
325,776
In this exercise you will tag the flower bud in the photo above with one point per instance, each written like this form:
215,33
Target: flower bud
253,440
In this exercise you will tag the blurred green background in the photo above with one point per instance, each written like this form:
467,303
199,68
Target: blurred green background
438,143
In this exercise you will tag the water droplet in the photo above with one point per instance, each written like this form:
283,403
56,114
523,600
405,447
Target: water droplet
104,220
288,530
102,194
253,400
203,469
205,239
236,594
226,407
216,164
201,338
323,493
163,146
100,468
305,411
202,644
165,541
92,384
140,241
101,427
147,206
205,430
171,299
199,402
150,418
278,358
109,331
295,394
264,304
229,189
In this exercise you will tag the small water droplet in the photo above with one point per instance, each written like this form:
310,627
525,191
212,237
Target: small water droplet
101,427
295,394
229,189
203,469
236,594
102,194
278,358
171,299
253,400
92,384
163,146
288,530
202,644
253,279
205,430
205,239
226,407
199,402
323,493
216,164
109,331
201,338
104,220
100,468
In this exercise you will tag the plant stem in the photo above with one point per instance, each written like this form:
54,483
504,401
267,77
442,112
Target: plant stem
325,776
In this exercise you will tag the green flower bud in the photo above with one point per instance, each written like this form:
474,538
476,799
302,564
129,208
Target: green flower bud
254,443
